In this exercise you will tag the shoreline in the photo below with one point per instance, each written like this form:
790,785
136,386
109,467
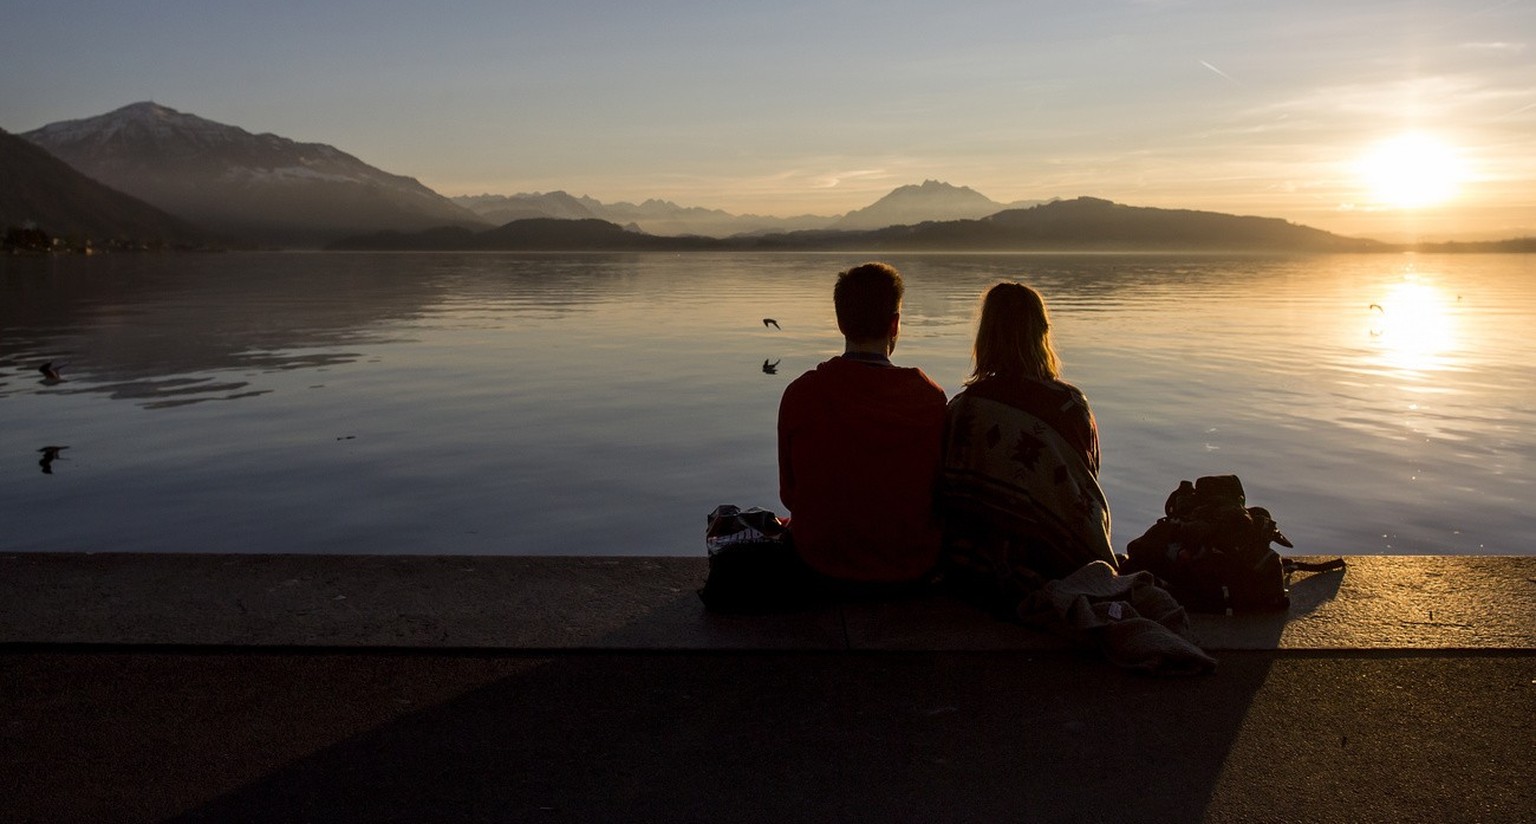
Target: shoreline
650,603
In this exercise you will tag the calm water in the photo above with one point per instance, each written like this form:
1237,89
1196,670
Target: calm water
597,404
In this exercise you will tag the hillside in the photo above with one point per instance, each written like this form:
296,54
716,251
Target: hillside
1083,224
930,201
1092,222
38,190
531,235
653,216
263,187
933,200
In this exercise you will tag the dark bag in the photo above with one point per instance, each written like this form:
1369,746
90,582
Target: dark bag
753,567
1213,551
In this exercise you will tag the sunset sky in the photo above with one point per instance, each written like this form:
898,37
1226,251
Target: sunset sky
1376,119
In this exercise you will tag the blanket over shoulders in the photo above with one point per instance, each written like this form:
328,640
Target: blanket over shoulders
1012,475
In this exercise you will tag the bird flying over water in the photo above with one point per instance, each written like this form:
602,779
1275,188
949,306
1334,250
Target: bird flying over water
767,322
1377,307
770,368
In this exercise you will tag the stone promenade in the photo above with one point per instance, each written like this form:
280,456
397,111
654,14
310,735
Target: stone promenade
372,688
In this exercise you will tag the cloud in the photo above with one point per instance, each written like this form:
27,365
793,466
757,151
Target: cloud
1216,70
834,179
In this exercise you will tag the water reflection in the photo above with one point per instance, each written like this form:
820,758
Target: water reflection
1413,327
527,404
50,454
50,373
159,330
169,331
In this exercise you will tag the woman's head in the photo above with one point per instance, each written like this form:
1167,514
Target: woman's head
1013,338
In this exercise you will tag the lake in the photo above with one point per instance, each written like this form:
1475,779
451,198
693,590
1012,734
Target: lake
603,404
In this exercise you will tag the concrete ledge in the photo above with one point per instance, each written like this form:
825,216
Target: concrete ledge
649,603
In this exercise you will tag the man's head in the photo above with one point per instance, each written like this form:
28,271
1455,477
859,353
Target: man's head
868,303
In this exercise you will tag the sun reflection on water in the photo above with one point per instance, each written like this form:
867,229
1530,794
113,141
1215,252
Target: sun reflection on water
1413,327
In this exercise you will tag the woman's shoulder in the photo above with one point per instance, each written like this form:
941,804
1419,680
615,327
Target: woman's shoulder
1025,391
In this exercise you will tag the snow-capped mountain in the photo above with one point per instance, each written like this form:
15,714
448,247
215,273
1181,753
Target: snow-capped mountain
933,200
259,186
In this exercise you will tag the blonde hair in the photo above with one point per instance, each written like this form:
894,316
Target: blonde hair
1013,336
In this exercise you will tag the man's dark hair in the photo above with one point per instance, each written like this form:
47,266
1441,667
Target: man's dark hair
866,297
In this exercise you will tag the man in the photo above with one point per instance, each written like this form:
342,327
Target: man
860,445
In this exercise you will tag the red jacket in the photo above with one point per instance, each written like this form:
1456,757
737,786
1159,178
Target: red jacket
860,445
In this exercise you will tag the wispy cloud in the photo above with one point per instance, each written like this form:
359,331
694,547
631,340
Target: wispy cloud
1216,70
834,179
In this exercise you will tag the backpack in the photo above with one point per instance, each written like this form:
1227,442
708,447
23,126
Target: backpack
1213,551
753,567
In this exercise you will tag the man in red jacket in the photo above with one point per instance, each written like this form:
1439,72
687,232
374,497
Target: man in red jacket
860,444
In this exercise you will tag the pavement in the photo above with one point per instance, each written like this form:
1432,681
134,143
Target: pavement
373,688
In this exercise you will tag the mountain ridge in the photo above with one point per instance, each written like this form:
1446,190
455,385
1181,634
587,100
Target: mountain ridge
1079,224
261,186
930,200
42,193
276,191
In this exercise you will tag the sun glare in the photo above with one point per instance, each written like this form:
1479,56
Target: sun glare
1411,171
1414,326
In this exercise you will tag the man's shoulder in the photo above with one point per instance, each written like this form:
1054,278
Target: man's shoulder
809,378
930,383
804,389
832,374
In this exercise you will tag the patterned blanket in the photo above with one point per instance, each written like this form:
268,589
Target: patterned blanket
1017,492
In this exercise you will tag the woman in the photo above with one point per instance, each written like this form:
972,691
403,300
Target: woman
1019,485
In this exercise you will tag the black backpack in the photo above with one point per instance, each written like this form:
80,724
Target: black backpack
1212,550
753,567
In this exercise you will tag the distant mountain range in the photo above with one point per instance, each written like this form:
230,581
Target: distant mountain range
1081,224
149,172
260,187
657,217
933,200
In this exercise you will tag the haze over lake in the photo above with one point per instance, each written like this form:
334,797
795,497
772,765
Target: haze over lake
603,404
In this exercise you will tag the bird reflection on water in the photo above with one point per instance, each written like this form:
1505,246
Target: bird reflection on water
50,454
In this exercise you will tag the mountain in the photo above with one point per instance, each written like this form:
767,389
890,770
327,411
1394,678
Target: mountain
499,209
656,217
931,201
40,191
1082,224
1089,223
663,217
263,187
540,234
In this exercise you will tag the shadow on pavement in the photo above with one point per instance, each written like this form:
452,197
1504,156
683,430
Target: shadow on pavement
764,737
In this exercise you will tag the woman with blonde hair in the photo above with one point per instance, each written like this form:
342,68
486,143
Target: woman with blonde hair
1019,486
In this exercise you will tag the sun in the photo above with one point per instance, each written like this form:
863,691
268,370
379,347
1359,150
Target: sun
1410,171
